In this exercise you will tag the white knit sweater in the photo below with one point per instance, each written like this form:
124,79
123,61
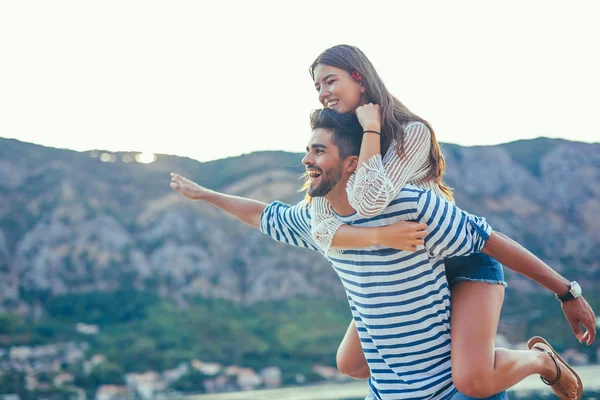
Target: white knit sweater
377,182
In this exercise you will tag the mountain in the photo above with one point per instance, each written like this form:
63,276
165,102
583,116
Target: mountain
78,222
71,222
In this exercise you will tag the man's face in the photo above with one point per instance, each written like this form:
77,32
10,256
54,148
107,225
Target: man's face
322,162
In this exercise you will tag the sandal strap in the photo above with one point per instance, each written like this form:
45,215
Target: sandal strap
558,371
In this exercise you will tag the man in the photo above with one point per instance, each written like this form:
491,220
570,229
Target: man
399,300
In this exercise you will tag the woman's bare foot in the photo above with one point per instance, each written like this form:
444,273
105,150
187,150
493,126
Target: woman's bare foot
564,383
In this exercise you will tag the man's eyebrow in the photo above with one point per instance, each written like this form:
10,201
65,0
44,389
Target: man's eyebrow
325,78
315,145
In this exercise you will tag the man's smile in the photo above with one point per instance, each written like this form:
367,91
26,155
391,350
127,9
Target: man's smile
313,174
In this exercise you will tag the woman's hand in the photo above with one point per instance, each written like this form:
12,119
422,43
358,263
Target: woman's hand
402,235
186,187
369,116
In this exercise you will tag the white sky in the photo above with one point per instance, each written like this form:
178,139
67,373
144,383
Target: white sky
211,79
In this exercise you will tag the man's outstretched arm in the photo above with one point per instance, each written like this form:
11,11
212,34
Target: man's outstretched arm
244,209
517,258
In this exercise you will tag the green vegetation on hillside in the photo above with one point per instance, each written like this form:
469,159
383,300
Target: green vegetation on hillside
141,332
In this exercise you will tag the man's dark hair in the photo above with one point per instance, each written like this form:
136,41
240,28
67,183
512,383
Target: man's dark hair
347,132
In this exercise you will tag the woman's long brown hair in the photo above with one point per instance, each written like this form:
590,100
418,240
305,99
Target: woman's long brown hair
394,114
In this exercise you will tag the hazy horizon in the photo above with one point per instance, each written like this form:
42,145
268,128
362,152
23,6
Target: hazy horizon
214,80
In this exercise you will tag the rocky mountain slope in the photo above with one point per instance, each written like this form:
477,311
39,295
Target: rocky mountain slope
88,221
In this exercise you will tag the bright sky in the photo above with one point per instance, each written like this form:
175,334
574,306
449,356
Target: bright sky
212,79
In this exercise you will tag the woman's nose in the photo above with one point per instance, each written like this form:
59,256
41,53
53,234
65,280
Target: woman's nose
323,93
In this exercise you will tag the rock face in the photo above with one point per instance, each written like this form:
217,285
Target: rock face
70,222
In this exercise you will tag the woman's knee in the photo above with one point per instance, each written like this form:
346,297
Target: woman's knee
351,365
473,383
342,362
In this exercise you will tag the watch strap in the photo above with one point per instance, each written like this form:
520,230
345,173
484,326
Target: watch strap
571,294
563,298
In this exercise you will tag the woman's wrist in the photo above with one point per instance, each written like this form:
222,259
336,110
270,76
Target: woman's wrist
371,131
372,127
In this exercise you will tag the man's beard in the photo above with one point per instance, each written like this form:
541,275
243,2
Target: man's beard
328,180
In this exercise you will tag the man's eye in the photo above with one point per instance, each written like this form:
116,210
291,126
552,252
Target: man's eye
319,151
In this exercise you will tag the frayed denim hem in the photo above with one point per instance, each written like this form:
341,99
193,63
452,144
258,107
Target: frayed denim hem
490,281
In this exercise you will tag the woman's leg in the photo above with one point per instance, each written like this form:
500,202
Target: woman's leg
478,369
350,358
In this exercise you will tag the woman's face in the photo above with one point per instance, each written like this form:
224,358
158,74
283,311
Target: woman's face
337,89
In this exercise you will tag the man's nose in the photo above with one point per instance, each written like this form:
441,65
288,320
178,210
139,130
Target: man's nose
306,159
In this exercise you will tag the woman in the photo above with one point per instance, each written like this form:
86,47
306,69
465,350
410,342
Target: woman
399,147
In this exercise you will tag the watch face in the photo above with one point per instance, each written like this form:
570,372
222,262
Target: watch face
575,289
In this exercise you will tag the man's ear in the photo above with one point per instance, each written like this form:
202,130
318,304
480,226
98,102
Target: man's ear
350,164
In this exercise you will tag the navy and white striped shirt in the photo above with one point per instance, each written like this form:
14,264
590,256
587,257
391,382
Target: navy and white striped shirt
400,300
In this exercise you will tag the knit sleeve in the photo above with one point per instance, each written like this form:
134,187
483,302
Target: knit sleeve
324,224
377,182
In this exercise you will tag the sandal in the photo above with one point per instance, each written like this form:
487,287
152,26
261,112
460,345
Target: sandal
553,355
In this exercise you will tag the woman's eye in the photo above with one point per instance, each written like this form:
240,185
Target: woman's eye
331,82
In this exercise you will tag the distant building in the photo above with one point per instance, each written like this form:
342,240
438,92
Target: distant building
89,365
145,384
232,370
175,374
111,392
271,377
20,353
219,384
208,369
248,379
87,329
62,379
31,382
502,341
328,373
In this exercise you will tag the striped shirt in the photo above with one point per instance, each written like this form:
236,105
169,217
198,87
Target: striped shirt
400,300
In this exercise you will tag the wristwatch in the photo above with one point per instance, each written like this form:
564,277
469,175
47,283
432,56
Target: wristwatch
573,293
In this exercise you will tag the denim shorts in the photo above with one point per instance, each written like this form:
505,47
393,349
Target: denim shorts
460,396
476,267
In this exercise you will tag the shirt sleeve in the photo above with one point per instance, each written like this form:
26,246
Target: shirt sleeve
324,224
288,224
377,182
452,232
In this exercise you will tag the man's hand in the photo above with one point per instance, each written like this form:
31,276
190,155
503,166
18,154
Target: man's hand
369,116
579,312
244,209
187,187
402,235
